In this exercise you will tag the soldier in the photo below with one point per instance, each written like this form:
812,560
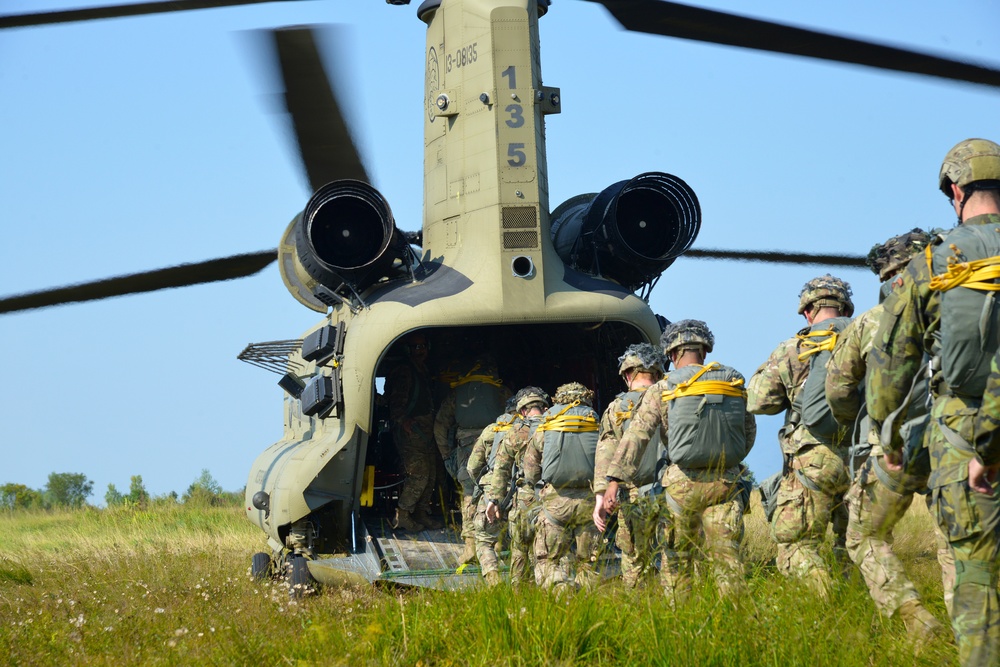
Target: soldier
950,297
411,409
879,497
559,463
641,366
476,398
702,408
482,461
814,475
507,489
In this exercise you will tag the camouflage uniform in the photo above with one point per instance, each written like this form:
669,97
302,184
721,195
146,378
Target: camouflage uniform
411,409
971,520
520,519
485,533
878,497
698,521
455,443
565,535
815,475
633,514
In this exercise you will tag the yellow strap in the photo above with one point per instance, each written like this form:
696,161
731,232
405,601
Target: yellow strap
815,347
964,274
483,379
696,387
502,426
569,423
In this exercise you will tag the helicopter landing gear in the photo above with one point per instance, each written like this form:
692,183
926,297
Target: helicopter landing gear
260,566
300,582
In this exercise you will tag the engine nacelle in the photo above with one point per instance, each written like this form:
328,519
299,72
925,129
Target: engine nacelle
631,231
345,236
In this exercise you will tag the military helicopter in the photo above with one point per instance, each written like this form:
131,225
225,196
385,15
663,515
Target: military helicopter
319,503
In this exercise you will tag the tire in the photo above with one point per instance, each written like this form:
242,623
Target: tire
260,566
300,582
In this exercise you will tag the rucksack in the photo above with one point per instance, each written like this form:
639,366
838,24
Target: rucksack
706,422
571,433
811,404
970,331
655,451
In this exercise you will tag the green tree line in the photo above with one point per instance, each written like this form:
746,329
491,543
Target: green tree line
71,490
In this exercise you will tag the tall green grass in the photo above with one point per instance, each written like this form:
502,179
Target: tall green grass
171,586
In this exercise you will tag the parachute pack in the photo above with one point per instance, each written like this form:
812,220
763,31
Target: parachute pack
964,272
571,433
479,399
655,450
706,425
811,404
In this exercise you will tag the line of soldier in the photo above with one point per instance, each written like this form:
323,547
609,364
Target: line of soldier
904,399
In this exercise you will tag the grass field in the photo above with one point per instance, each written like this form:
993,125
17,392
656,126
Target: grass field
171,586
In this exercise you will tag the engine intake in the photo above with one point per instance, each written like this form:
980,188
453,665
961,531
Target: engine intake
630,232
347,234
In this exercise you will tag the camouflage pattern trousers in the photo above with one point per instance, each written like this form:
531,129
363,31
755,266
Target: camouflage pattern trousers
875,509
521,526
807,498
637,536
700,523
415,443
487,535
565,539
971,522
456,464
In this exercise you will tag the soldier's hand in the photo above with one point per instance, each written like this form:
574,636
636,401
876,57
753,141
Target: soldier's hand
981,478
600,515
611,497
492,512
893,460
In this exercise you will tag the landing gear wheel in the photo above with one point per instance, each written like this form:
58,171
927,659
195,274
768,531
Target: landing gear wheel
300,582
260,566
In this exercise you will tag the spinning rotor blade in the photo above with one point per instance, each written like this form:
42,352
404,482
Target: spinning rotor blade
676,20
325,144
225,268
777,257
118,11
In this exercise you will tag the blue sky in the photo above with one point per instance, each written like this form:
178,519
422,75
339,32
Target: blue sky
146,142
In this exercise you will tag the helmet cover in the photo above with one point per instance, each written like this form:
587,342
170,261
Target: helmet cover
641,357
574,391
686,332
827,291
529,395
885,259
970,161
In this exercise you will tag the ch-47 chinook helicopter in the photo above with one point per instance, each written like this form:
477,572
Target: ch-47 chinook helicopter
494,265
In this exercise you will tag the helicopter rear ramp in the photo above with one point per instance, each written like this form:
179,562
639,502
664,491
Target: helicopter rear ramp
428,559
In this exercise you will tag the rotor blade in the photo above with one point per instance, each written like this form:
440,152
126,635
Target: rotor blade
676,20
325,144
779,257
225,268
118,11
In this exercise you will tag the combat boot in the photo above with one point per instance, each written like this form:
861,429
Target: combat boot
424,517
469,554
406,521
493,578
921,626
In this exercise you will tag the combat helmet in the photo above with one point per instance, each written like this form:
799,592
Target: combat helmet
574,391
686,332
827,291
643,358
970,161
529,395
885,259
